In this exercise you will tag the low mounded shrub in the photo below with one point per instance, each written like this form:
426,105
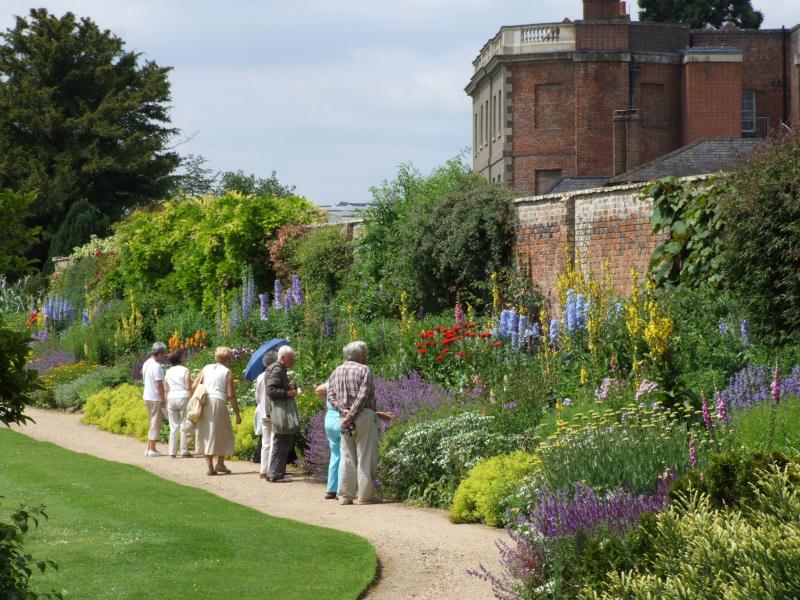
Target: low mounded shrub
120,410
483,495
245,439
74,394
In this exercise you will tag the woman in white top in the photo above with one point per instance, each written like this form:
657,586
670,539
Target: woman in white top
215,422
176,385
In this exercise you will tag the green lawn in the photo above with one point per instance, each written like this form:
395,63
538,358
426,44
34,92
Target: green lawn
117,531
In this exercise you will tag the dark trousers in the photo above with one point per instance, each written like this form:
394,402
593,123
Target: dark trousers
282,444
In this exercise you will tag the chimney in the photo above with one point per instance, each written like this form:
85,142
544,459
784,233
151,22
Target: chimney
604,10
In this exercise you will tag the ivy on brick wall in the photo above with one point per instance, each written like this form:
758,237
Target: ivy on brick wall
687,212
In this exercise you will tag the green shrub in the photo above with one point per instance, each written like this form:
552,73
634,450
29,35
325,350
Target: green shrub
699,551
729,477
119,410
81,222
183,252
323,257
425,462
762,241
750,427
483,495
245,440
58,376
17,382
74,394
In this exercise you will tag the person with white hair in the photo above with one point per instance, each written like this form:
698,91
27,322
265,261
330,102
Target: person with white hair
153,395
263,424
282,413
351,391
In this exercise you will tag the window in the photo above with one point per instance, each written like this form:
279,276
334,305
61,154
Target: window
748,111
500,112
486,124
494,108
475,136
481,130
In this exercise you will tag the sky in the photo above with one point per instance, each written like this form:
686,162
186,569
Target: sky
334,95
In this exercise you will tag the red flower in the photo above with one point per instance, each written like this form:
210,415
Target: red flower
485,334
497,344
470,325
422,351
428,343
440,358
445,351
419,346
438,328
461,337
470,334
460,354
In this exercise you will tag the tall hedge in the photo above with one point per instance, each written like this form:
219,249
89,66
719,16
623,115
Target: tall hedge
761,244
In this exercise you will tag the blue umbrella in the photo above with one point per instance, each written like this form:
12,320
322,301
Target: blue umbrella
255,366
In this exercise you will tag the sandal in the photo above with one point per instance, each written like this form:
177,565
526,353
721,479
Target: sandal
210,473
222,470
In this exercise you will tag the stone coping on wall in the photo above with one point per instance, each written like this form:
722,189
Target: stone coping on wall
597,191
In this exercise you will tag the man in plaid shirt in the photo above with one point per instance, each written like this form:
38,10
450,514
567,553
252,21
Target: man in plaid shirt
351,390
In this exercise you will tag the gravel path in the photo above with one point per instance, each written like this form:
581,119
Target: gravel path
422,555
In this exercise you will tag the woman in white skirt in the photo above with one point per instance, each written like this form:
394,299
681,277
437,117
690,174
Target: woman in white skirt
177,383
215,422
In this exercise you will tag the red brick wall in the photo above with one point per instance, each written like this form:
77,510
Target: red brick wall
602,226
602,9
762,65
600,89
549,146
658,100
544,235
602,36
794,78
712,100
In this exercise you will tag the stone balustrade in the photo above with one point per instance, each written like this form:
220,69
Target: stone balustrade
528,39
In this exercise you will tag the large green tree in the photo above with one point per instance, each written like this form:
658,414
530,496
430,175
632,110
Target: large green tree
699,13
80,117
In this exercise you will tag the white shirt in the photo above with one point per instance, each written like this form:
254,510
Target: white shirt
215,378
152,371
175,378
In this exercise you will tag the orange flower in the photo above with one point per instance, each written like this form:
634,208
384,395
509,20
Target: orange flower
197,334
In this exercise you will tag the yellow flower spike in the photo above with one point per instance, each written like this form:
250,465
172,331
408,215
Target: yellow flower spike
584,375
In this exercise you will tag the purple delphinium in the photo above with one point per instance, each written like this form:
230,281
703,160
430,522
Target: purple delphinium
723,327
287,303
329,327
706,413
296,291
559,513
234,316
744,331
554,331
405,397
510,405
278,295
248,293
570,312
262,299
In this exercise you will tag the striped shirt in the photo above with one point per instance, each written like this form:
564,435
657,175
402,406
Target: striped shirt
351,388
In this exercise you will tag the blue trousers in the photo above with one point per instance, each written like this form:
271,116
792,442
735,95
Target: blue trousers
332,430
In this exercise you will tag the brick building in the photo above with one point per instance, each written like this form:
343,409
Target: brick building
598,97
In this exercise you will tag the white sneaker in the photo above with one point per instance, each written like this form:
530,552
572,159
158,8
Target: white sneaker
153,453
